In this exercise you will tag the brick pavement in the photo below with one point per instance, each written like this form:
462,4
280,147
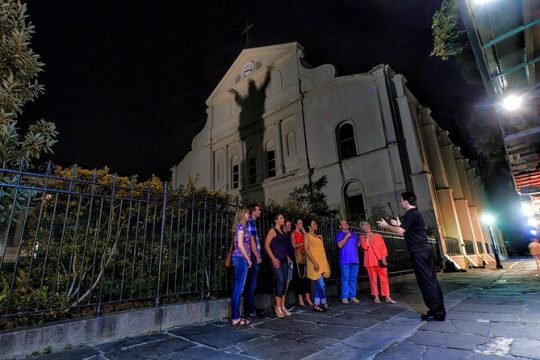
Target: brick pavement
492,314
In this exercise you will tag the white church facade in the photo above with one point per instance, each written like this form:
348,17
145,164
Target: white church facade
275,123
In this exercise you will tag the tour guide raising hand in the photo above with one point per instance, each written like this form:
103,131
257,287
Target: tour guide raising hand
413,228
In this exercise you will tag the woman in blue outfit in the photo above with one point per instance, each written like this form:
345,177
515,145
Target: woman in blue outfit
241,261
275,245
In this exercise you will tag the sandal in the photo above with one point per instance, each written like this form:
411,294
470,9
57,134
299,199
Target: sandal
389,300
279,312
286,312
317,308
376,300
241,322
325,307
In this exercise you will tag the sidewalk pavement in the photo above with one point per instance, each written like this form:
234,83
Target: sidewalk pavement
491,314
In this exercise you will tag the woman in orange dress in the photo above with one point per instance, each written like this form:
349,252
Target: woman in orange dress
375,250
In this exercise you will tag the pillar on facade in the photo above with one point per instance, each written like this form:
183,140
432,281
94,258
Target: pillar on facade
444,192
420,175
449,199
466,204
474,209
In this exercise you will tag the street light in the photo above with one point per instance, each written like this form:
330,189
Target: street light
481,2
489,219
527,209
512,102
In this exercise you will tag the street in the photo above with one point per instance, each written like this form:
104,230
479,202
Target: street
492,314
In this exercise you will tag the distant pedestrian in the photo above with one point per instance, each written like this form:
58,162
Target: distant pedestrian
347,241
375,255
413,228
241,261
302,284
534,248
318,267
275,246
255,245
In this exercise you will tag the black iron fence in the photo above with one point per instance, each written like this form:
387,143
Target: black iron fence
479,245
469,246
75,244
452,246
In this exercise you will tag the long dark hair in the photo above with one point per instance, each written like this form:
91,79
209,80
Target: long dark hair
309,224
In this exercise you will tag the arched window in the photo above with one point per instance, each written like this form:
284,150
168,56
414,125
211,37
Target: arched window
353,195
291,144
270,159
252,166
346,141
235,172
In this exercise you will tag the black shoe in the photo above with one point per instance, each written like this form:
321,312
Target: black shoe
430,317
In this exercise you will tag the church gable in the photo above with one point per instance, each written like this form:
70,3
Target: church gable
251,63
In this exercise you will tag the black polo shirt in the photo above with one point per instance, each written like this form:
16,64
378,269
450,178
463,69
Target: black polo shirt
415,231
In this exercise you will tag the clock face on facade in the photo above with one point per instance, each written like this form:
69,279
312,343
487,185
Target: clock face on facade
248,68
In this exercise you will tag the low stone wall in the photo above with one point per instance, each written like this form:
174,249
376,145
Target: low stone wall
21,342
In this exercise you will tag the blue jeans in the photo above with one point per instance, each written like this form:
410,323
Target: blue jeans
251,286
319,291
349,277
240,270
281,276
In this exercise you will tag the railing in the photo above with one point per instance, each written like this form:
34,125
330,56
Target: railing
479,246
80,244
469,247
452,246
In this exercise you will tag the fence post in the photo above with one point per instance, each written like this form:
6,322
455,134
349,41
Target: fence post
161,239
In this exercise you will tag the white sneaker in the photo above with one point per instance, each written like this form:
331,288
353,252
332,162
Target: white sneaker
344,301
355,300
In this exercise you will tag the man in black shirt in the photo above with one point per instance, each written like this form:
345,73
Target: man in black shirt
413,229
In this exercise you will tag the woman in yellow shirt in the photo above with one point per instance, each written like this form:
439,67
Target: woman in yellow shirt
317,266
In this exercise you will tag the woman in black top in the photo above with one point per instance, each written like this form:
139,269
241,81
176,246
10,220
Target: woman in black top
275,245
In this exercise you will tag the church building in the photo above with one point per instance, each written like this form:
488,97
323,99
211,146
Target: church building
275,123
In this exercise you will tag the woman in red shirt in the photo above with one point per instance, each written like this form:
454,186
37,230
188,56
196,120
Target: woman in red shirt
375,250
301,282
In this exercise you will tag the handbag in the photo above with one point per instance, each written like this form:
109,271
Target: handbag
300,256
382,261
227,261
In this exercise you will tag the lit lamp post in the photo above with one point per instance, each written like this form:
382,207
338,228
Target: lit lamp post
489,219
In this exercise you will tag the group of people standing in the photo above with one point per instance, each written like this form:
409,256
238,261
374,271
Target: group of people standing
299,255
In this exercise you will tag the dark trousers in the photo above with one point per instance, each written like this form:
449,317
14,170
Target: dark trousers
424,269
281,276
302,285
251,286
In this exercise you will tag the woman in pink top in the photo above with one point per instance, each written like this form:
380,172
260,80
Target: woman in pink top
375,250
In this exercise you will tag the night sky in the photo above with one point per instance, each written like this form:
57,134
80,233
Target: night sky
126,81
